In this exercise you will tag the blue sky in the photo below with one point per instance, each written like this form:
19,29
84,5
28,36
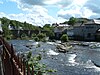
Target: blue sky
40,12
9,7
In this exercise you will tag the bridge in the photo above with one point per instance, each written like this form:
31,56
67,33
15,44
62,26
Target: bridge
19,33
10,63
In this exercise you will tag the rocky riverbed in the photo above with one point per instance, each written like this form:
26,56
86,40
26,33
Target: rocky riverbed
77,60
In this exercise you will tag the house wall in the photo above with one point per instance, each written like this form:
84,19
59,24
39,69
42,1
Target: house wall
90,31
0,26
86,32
59,31
78,33
70,33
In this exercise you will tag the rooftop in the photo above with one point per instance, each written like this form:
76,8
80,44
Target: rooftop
96,21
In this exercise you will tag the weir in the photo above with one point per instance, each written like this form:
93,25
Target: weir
10,63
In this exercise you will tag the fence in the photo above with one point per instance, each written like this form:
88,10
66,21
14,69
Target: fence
12,64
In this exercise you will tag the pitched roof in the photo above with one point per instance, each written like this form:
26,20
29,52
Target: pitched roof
96,21
93,21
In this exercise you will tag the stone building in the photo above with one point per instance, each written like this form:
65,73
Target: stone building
88,31
59,29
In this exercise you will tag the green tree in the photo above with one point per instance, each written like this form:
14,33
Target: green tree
41,36
46,26
33,35
64,38
24,36
36,38
5,20
72,21
49,31
6,32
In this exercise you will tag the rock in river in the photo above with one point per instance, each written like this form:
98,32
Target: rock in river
63,48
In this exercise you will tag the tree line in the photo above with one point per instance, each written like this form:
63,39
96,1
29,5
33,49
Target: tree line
8,24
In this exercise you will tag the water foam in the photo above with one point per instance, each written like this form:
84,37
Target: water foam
91,65
51,43
51,52
35,43
71,58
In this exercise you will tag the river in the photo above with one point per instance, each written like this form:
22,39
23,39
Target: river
78,61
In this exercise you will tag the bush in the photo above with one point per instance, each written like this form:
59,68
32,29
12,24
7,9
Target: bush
34,62
64,38
24,36
36,38
8,37
41,36
44,40
33,35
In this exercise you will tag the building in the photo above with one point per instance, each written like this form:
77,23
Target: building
59,29
89,31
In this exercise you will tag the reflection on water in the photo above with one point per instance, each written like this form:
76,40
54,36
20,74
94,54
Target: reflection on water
78,61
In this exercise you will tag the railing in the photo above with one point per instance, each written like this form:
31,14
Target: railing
11,63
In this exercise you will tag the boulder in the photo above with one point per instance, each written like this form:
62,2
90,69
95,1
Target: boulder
63,48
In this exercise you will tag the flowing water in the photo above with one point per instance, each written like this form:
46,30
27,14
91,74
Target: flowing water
78,61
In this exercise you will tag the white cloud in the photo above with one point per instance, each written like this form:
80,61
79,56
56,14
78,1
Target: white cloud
69,8
2,14
93,5
79,2
36,11
44,2
81,8
34,16
51,1
76,12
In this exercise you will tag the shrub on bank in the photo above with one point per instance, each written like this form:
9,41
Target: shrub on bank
36,39
34,62
64,38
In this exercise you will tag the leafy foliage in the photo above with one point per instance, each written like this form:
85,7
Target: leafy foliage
49,31
41,35
36,38
72,21
7,24
24,36
64,38
33,62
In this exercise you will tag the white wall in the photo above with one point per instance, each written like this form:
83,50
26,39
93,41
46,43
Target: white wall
0,26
